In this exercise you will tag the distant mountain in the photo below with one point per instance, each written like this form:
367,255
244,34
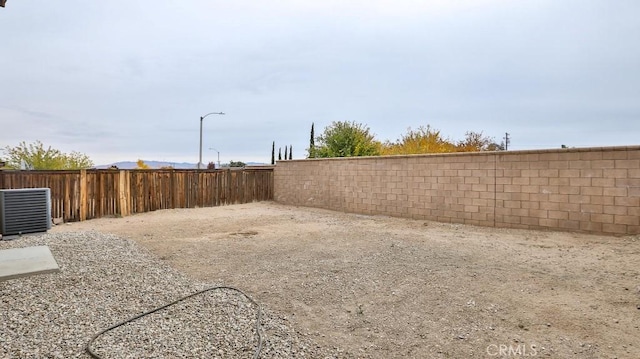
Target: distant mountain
129,165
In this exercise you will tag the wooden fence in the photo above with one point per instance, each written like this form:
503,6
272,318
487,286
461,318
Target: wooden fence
87,194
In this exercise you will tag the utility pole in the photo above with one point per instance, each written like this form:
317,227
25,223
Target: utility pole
202,118
507,141
211,148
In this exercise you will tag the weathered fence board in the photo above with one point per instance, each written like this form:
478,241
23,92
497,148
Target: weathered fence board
87,194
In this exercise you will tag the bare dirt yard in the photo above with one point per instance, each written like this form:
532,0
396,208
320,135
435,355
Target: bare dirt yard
380,287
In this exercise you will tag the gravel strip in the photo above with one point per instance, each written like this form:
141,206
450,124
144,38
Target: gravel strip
104,280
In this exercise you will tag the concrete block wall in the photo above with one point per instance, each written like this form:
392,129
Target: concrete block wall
592,190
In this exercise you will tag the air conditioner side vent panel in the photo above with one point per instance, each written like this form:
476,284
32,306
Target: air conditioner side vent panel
25,210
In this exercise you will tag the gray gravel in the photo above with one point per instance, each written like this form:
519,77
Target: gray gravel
104,280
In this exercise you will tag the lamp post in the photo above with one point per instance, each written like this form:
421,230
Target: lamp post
211,148
202,118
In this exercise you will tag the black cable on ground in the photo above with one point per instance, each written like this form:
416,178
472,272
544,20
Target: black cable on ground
256,354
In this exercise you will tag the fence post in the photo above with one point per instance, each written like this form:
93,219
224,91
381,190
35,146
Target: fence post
84,202
123,193
228,190
173,190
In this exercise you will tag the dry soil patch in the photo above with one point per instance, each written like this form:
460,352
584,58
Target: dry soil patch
380,287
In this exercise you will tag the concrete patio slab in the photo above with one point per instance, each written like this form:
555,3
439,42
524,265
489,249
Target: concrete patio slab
22,262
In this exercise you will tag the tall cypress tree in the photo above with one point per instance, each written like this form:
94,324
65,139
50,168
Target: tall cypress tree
312,144
290,152
286,155
273,153
279,153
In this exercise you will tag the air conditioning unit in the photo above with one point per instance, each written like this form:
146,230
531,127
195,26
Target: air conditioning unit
25,211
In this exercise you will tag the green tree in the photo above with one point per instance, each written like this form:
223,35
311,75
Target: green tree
280,154
236,164
312,144
77,160
494,146
346,139
286,152
273,153
290,152
35,156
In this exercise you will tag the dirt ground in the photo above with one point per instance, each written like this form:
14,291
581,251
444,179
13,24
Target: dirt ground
380,287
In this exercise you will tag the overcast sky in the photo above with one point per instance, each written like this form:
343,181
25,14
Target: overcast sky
122,80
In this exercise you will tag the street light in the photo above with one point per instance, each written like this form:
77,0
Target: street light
211,148
202,118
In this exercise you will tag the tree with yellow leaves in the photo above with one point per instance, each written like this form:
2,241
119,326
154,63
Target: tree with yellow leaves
141,165
423,140
429,140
